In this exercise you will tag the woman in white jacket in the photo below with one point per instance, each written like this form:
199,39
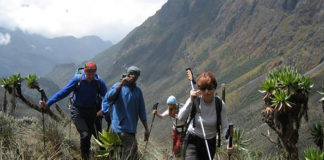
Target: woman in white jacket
195,147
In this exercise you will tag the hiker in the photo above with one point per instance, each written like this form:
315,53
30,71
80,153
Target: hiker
84,107
128,106
203,99
178,128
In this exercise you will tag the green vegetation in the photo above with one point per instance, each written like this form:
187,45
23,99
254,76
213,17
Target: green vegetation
322,93
322,99
286,98
112,144
21,139
31,81
313,154
281,84
317,135
12,85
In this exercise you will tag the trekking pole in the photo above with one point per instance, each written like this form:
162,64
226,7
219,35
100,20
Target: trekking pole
44,98
70,108
191,78
230,142
223,92
154,107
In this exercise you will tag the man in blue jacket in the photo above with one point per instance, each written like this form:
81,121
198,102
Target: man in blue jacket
128,106
83,111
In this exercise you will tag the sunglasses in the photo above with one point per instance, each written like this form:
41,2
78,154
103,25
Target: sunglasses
207,87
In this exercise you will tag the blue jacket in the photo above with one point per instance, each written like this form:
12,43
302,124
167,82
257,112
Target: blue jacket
128,106
85,94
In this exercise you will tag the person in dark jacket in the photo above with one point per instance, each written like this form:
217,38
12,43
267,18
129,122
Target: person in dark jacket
127,108
84,110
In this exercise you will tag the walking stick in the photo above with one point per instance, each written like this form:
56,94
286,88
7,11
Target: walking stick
191,78
223,92
70,107
230,143
44,98
154,107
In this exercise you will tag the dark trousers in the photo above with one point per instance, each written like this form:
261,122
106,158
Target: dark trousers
195,148
84,119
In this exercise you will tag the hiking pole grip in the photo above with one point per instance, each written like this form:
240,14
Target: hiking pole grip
154,107
190,77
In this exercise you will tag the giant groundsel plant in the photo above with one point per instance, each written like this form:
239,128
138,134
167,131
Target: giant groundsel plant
286,96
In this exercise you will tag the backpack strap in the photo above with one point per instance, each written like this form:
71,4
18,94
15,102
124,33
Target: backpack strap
98,85
193,113
77,87
78,84
98,97
194,110
218,105
176,123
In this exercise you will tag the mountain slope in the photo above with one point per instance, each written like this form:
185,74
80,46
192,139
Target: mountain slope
238,41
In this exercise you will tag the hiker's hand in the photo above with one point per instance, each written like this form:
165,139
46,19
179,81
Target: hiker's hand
99,113
230,150
146,135
122,83
194,94
155,111
126,80
176,116
43,104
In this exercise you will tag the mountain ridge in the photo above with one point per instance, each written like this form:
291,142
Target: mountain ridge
39,54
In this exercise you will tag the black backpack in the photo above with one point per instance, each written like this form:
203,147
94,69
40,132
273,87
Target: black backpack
218,106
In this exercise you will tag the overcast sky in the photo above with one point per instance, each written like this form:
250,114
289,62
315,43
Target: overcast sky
108,19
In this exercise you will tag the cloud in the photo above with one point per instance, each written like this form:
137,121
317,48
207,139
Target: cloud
4,39
109,19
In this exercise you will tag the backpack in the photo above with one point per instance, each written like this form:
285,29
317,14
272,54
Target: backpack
218,106
79,73
184,127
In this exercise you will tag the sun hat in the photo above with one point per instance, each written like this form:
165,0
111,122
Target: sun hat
133,69
172,100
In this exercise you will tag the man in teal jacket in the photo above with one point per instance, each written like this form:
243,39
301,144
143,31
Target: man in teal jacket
84,109
127,108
